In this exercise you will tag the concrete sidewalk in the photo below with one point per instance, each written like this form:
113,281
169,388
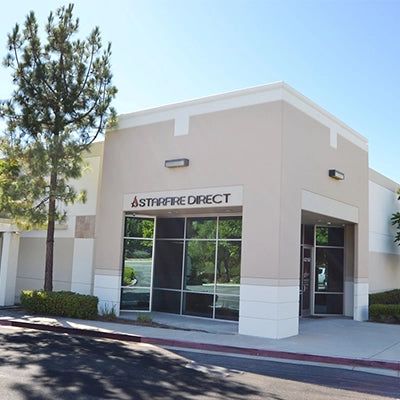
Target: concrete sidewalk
339,342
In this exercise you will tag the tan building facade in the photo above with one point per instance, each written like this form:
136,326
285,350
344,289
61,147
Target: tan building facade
255,206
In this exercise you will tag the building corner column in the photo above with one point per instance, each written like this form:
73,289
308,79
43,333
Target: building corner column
361,302
269,311
8,268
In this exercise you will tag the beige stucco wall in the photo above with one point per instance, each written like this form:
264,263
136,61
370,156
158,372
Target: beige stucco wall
308,155
384,253
234,147
31,258
385,272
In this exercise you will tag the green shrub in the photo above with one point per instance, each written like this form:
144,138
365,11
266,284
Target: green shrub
389,297
144,319
108,313
62,304
129,276
385,313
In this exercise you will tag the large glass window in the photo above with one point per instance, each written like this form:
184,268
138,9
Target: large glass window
197,266
168,264
195,269
170,228
201,228
200,266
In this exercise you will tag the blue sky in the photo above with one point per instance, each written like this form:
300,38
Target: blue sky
342,54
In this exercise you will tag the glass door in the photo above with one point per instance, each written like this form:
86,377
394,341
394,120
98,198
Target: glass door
329,270
305,280
137,263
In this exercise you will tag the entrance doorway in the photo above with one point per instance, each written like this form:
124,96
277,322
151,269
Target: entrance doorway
305,280
321,270
329,270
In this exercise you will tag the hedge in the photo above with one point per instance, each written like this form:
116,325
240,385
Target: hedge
62,304
385,306
389,313
389,297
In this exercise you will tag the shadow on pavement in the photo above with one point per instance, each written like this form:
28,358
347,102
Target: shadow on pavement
52,366
354,381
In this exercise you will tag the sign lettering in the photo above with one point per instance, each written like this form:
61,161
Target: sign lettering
209,199
184,199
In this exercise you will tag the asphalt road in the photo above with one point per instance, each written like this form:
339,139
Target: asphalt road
41,365
329,377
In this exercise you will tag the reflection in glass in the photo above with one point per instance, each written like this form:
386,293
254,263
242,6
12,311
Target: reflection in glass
230,228
329,236
170,228
305,279
328,303
166,301
135,299
228,267
168,264
200,266
198,304
137,262
329,270
201,228
191,275
227,307
139,227
307,234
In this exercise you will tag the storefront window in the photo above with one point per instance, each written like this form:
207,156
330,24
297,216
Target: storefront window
197,266
200,266
137,266
191,266
170,228
168,260
201,228
228,267
230,228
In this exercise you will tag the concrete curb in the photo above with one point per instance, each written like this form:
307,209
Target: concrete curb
342,361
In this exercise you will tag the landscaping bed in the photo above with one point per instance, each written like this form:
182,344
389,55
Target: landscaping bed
385,307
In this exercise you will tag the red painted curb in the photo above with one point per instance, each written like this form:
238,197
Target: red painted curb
351,362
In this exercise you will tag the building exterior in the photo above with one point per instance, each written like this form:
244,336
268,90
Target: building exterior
255,206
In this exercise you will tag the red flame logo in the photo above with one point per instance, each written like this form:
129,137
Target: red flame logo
134,203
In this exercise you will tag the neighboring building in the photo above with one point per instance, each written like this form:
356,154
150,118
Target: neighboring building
255,206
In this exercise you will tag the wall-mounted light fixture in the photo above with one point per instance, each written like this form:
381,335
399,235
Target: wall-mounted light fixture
178,162
335,174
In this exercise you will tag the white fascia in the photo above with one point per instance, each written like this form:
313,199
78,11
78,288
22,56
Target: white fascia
278,91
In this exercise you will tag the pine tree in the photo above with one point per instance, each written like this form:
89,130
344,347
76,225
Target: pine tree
60,105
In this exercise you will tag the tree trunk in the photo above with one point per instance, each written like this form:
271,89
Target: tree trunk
48,272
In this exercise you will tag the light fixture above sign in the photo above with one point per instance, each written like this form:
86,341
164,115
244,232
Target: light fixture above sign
335,174
178,162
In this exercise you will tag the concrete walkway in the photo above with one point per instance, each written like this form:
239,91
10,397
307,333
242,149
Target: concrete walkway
339,342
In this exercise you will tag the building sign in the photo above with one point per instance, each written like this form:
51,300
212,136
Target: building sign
228,196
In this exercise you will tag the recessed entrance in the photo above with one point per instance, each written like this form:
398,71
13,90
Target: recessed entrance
322,270
305,280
